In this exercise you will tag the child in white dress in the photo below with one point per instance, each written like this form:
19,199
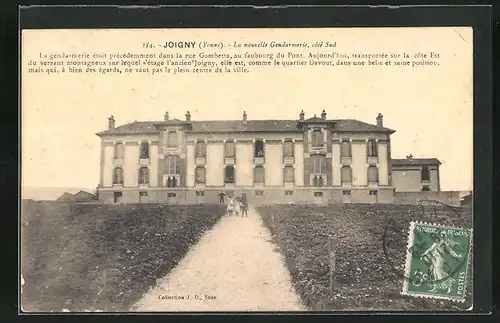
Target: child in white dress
230,206
237,206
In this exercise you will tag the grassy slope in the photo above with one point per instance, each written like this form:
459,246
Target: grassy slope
104,257
366,279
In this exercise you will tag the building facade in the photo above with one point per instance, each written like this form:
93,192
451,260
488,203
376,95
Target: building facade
313,160
416,174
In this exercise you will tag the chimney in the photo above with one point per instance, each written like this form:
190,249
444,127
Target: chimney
244,117
323,115
380,120
166,117
302,115
111,122
188,116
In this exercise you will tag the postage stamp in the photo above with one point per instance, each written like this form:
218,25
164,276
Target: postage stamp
437,261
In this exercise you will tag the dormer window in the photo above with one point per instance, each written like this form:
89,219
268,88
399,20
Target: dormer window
259,148
144,149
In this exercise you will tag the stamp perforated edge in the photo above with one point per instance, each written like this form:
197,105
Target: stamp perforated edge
409,257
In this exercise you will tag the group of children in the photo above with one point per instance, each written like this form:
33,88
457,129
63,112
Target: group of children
237,206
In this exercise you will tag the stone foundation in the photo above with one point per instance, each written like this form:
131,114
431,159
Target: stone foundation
256,196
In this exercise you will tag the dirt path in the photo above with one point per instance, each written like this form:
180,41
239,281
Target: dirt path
234,267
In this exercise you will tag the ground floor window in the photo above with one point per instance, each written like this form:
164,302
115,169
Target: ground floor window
259,193
288,193
200,175
200,193
229,175
171,195
289,174
318,194
346,192
172,181
373,193
143,193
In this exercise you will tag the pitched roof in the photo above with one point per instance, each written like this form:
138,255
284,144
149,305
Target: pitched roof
212,126
415,161
66,197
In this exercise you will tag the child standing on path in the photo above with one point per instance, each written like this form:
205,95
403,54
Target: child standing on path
244,205
230,206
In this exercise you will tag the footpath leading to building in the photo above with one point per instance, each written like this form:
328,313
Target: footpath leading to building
234,267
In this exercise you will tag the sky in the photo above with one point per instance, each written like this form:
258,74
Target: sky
429,107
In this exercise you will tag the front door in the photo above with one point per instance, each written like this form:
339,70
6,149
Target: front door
118,197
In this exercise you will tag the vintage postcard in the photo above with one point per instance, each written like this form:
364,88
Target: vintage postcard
246,170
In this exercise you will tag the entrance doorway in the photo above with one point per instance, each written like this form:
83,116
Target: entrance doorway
117,196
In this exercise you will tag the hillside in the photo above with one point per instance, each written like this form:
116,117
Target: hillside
102,257
370,253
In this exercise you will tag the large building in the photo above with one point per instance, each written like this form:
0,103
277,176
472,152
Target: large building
308,160
416,174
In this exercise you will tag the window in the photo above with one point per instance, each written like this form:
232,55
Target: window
200,149
144,150
230,149
426,188
345,148
346,174
119,151
172,181
318,180
317,138
346,192
289,174
143,175
143,193
199,175
318,194
200,193
288,148
373,193
372,174
229,175
118,176
288,193
172,139
425,174
259,193
172,165
259,148
318,164
371,148
171,194
259,175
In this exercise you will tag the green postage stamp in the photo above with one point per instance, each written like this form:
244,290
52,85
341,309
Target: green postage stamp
437,261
